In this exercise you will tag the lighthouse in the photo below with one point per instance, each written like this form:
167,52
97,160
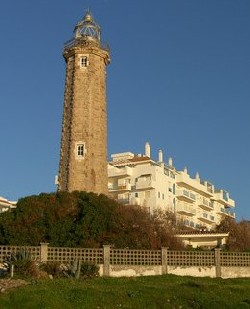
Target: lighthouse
83,154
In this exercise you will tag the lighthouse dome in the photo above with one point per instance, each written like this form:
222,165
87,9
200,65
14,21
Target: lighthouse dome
87,28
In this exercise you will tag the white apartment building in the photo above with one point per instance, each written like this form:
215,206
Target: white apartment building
6,205
139,180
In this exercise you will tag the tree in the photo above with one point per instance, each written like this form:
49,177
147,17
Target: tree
239,234
81,219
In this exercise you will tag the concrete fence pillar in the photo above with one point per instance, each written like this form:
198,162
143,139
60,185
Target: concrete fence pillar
164,260
106,260
44,251
217,262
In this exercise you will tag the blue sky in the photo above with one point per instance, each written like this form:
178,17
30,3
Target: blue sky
179,78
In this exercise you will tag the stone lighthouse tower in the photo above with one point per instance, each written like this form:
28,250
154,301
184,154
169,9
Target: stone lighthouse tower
83,156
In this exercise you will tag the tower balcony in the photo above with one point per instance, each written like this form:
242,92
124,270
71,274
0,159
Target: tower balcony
185,195
83,42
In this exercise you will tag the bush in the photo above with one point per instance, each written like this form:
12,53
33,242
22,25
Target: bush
22,264
55,269
73,269
89,270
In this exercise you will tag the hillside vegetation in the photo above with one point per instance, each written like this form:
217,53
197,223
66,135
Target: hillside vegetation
81,219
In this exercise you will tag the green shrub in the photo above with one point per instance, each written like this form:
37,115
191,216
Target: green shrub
56,269
22,263
89,270
74,269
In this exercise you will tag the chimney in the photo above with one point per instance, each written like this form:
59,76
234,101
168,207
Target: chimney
170,161
147,150
160,156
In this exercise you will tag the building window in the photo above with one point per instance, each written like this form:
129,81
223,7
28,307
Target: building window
136,194
83,61
159,195
80,150
163,196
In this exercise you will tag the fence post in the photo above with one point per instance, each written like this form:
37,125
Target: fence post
164,260
217,262
106,260
44,251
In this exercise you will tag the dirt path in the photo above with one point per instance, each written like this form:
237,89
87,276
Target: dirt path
6,284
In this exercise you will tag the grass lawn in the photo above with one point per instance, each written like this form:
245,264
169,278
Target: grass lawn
142,292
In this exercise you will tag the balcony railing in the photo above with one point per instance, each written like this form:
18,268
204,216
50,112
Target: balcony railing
185,210
227,212
223,197
206,217
123,200
83,42
120,187
144,184
186,195
206,204
117,172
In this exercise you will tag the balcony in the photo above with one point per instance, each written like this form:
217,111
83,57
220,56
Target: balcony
185,210
119,188
227,212
185,180
206,217
206,204
223,197
185,195
144,184
114,171
123,201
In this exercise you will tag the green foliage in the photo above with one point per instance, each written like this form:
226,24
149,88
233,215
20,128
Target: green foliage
74,269
23,265
53,268
81,219
239,234
89,270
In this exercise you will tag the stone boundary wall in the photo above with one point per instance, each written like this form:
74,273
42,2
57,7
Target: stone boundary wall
128,262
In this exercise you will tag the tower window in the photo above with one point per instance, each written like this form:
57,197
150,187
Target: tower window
80,150
83,61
